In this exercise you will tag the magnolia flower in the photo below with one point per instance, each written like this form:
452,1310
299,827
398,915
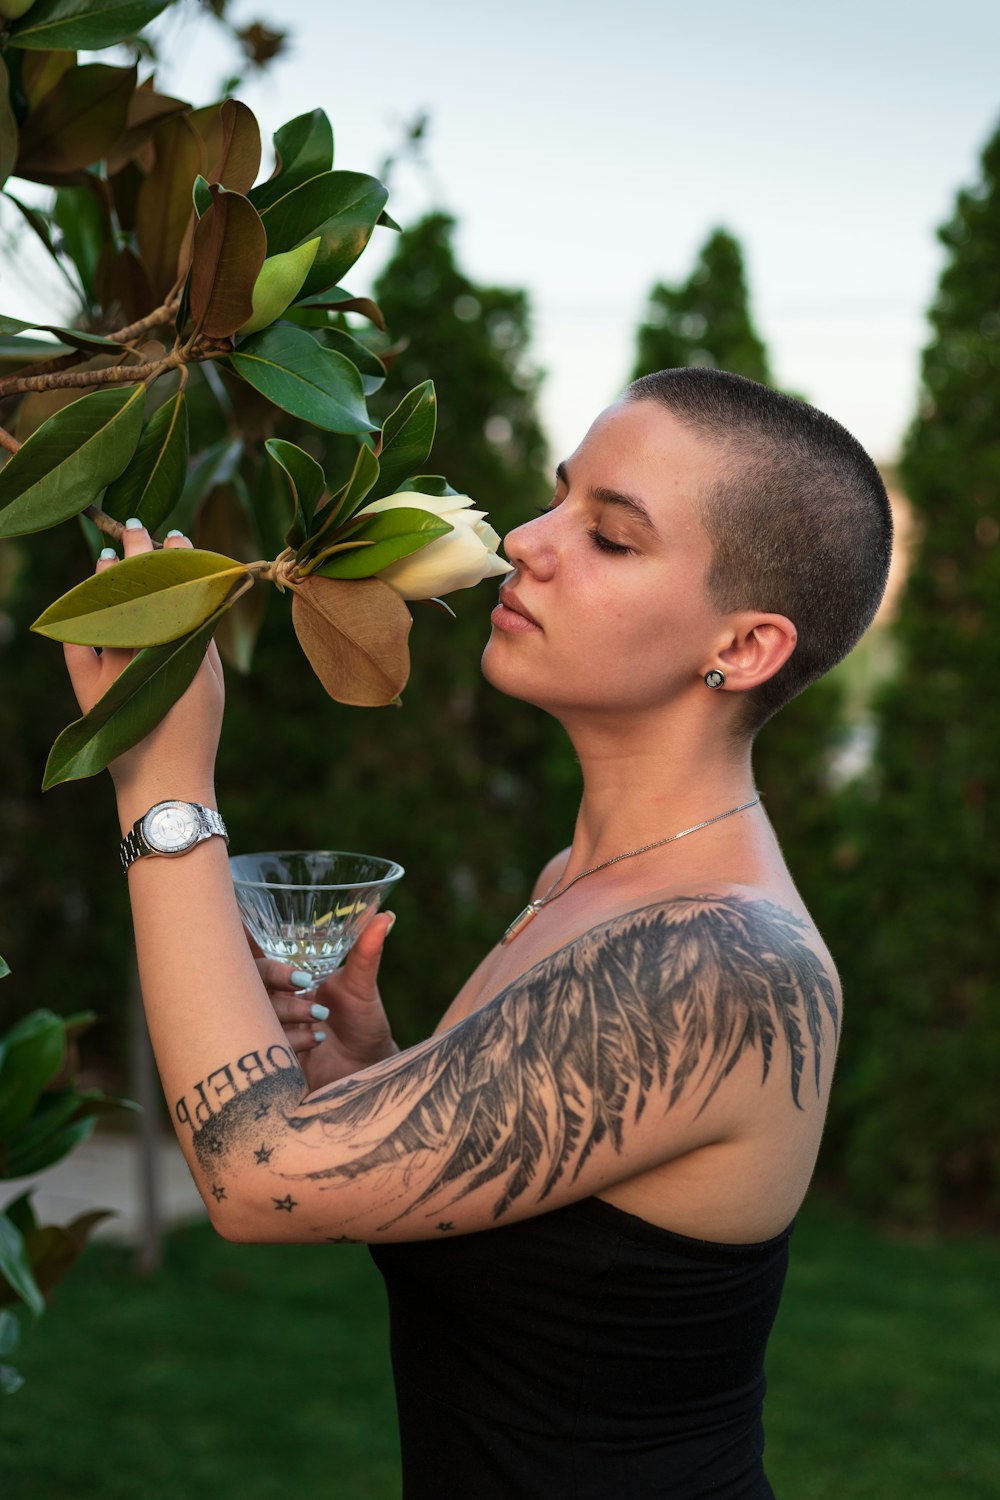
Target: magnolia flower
457,560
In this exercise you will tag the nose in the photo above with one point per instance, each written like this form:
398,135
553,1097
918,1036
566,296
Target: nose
530,547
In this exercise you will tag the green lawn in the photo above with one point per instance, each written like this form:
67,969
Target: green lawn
259,1371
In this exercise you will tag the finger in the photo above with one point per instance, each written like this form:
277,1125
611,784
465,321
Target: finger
304,1039
278,976
298,1010
177,539
135,538
360,970
84,667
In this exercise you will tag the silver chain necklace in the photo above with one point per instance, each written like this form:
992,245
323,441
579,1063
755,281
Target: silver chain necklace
534,907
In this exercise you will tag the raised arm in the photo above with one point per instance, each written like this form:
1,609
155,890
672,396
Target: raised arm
652,1035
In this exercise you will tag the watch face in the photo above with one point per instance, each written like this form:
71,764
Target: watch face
171,827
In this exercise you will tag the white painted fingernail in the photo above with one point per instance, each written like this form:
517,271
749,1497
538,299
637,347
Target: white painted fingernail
175,533
320,1012
133,524
108,554
301,979
319,1036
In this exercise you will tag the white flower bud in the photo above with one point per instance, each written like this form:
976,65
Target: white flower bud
463,556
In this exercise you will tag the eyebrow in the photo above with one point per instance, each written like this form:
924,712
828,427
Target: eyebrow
605,496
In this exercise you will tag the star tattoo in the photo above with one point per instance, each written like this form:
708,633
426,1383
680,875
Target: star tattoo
444,1226
218,1192
261,1113
287,1203
264,1154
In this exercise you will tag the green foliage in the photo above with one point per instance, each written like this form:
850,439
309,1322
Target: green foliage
471,791
704,321
914,1131
42,1117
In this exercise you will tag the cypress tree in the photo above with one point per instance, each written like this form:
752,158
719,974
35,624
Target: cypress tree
915,1127
706,320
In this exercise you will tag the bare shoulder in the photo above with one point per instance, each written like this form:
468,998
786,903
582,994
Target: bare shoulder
550,873
720,976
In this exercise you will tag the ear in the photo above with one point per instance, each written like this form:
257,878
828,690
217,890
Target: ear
758,646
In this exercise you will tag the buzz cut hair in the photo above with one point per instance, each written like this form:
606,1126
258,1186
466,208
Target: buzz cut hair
798,517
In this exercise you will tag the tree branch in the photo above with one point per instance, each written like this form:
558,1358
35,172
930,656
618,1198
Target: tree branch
74,379
155,319
109,525
8,441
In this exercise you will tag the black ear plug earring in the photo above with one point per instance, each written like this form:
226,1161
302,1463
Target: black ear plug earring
715,678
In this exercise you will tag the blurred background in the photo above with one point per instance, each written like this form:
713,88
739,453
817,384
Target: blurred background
588,193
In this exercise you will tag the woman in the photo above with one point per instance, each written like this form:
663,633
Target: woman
580,1188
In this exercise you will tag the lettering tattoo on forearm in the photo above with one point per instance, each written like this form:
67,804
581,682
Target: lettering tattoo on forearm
669,998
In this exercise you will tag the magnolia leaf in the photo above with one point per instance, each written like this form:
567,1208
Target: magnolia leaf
61,1119
239,158
339,300
41,71
146,110
343,504
72,336
228,250
84,223
278,284
151,485
407,438
302,149
8,127
368,365
354,635
386,221
201,196
85,24
69,460
215,465
132,706
341,207
163,207
62,1122
15,1268
319,385
76,123
53,1249
430,484
145,600
306,479
391,534
226,524
33,1054
4,967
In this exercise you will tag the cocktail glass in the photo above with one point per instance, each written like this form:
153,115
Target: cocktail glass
307,907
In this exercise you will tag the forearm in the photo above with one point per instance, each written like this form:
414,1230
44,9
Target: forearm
213,1028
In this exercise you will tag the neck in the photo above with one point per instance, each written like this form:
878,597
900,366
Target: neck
649,782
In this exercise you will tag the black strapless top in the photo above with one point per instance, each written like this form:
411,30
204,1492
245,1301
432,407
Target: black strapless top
581,1355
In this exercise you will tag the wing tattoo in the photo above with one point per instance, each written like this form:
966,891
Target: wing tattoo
668,999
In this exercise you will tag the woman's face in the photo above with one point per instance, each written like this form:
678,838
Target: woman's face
607,609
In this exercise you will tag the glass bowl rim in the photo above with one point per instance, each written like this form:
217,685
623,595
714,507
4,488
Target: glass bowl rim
395,872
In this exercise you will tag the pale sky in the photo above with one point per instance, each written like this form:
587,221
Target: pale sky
588,149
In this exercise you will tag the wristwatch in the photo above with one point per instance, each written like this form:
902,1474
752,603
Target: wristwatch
170,828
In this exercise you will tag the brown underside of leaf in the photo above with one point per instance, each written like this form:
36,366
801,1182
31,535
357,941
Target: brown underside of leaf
354,635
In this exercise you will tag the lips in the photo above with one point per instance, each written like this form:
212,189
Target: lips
509,600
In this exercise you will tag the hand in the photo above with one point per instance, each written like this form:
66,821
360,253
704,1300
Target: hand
178,756
356,1032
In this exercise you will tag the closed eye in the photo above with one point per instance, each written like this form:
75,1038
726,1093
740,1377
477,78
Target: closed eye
602,542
